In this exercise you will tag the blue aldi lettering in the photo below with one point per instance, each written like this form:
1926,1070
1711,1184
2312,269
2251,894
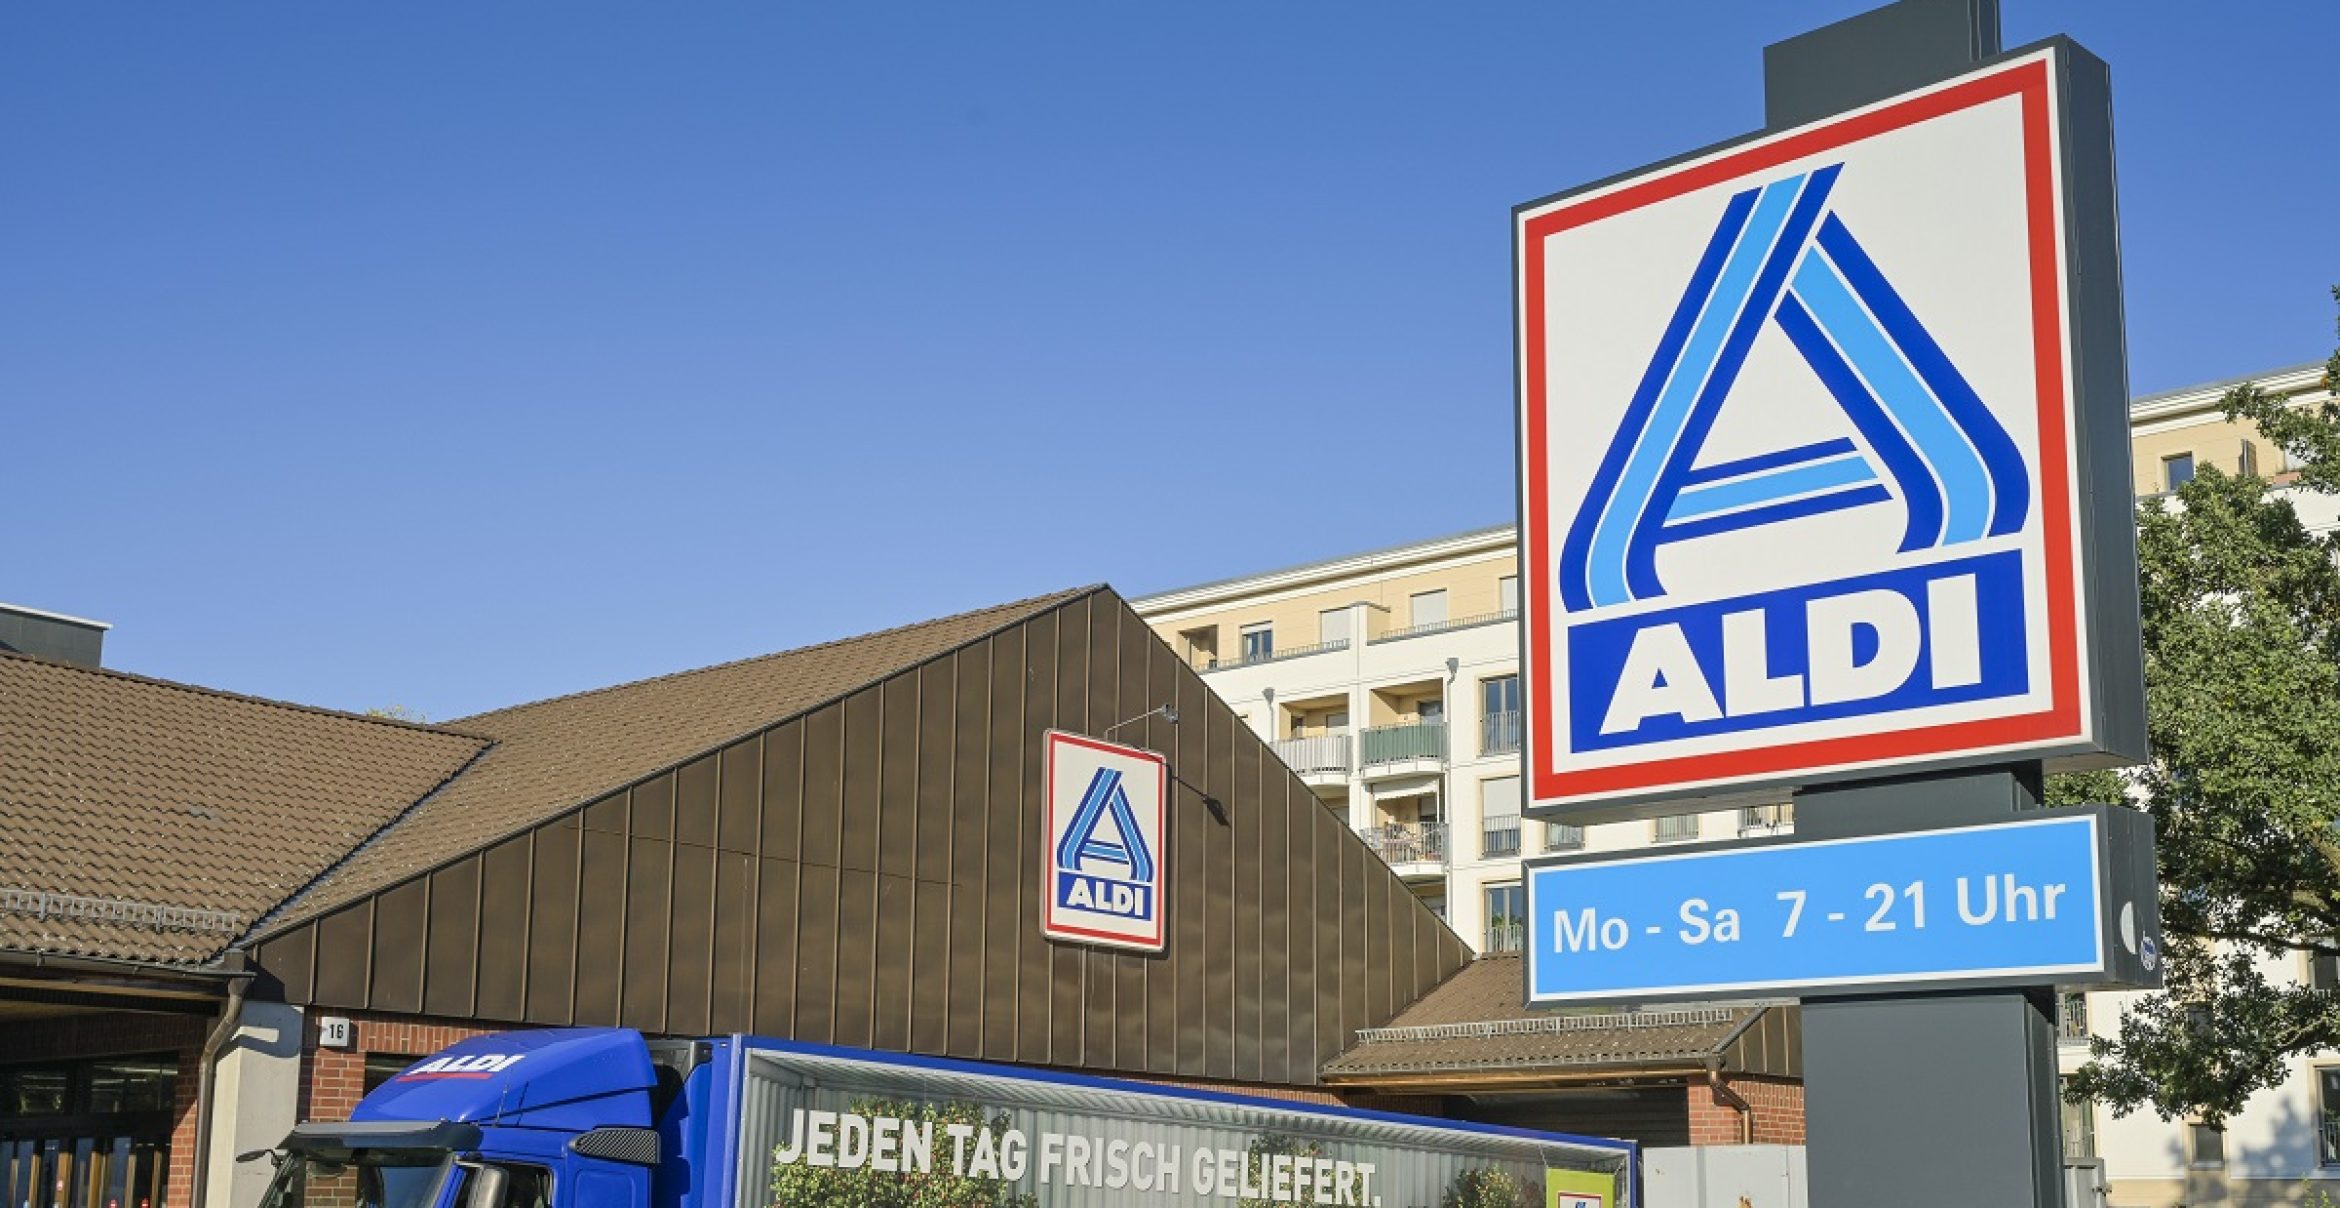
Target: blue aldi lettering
1938,634
1102,895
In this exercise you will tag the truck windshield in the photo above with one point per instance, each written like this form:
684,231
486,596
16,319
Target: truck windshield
366,1178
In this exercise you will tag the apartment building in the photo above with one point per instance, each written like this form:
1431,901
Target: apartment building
1389,681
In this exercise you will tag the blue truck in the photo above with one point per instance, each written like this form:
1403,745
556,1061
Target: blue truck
605,1118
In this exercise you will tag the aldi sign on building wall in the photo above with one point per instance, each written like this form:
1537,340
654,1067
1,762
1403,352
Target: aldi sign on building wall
1807,467
1104,835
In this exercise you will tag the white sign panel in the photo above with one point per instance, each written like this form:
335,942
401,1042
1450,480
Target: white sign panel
1800,492
1105,857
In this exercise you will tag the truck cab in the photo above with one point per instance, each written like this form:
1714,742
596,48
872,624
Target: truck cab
498,1122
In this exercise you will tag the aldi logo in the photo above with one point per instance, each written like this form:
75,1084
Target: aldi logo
1801,488
1107,818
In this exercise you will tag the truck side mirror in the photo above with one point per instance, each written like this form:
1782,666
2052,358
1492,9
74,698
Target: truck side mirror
486,1189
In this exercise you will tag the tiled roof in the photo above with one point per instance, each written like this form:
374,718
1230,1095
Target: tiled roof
126,801
554,755
1476,1022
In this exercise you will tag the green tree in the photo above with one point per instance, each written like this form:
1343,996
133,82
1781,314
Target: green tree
2241,611
1485,1187
800,1186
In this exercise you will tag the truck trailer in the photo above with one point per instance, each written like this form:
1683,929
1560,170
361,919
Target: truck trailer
605,1118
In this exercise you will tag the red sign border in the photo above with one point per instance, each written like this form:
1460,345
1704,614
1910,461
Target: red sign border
2030,80
1049,926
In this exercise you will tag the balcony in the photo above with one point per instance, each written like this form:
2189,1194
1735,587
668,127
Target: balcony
1323,757
1411,849
1499,837
1204,660
1403,750
1428,627
2072,1019
1499,733
1505,935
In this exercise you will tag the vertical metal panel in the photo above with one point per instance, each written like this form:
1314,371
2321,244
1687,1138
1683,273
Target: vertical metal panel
1249,823
607,814
1330,844
1163,686
856,957
816,952
601,926
1101,1002
694,803
1385,946
1034,972
778,932
897,795
1300,907
344,949
928,976
857,826
970,768
1275,908
504,890
897,906
650,808
396,983
690,969
451,941
1006,857
1193,944
1067,967
554,895
290,959
783,803
1357,864
742,778
1218,768
824,783
649,919
932,773
734,961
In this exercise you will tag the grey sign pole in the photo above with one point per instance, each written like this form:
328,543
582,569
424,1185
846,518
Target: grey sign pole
1949,1099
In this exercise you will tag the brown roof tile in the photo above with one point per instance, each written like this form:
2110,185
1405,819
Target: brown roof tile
144,793
554,755
1477,1020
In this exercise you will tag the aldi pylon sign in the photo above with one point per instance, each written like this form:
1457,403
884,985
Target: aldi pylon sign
1811,485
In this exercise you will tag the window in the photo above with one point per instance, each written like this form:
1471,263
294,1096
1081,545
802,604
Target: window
1499,817
1202,645
382,1067
2249,464
2079,1125
1431,711
1499,715
132,1084
2072,1018
1426,608
2177,470
1332,625
1507,593
1559,836
2207,1142
1506,917
1336,722
1259,641
2324,970
1676,828
89,1086
1758,819
2328,1115
1299,725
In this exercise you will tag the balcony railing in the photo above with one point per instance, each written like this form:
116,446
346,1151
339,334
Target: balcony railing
1204,660
1560,836
1499,733
1499,837
1397,744
1406,842
1322,753
2072,1018
1415,631
1505,935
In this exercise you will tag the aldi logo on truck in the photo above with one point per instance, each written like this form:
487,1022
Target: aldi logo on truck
1801,489
1106,821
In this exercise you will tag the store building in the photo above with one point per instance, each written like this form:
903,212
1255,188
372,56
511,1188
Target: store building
220,915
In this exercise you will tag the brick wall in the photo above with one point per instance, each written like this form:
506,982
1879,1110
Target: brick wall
1778,1109
333,1080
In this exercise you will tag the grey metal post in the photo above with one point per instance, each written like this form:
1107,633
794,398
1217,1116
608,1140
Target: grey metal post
1927,1100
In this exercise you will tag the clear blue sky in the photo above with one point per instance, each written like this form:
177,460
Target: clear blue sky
457,355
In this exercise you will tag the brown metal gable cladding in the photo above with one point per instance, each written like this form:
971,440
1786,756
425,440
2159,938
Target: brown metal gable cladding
867,872
555,755
125,801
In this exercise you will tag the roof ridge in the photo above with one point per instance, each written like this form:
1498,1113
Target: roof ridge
244,697
1026,603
